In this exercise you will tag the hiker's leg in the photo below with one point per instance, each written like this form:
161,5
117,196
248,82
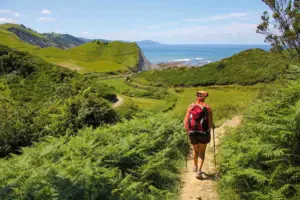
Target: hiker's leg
196,153
202,149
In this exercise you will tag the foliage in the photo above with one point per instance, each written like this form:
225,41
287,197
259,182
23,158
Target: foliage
39,99
245,68
138,159
283,32
260,160
128,109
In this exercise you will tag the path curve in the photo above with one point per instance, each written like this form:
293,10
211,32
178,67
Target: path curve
119,102
194,189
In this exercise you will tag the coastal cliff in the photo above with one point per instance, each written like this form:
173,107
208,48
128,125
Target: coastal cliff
144,64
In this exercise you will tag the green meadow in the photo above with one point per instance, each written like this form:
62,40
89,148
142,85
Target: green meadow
94,57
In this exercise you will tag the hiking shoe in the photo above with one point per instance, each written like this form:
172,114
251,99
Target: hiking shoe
195,168
199,175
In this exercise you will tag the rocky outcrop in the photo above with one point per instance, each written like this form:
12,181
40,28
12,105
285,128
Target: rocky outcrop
144,63
31,38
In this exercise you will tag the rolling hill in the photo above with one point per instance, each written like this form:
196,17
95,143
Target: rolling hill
245,68
95,56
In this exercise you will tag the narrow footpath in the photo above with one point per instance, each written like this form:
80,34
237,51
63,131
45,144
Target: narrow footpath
119,102
195,189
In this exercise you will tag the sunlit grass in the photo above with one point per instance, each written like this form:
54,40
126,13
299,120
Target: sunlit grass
224,100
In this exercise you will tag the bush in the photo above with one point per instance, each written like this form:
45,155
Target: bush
42,99
260,160
138,159
221,66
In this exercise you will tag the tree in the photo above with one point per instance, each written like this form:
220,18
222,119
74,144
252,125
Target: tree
282,30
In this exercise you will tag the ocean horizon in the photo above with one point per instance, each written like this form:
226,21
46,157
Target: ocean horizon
194,54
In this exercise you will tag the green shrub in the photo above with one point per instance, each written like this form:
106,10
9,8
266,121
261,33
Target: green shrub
260,160
47,100
138,159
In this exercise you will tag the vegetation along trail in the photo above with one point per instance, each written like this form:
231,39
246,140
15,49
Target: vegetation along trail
195,189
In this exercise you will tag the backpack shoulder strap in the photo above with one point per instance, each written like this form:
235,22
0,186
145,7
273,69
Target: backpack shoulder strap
196,104
192,106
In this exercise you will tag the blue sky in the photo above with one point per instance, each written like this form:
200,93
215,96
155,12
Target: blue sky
166,21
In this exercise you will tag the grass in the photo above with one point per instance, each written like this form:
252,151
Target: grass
118,84
135,103
94,56
225,101
155,105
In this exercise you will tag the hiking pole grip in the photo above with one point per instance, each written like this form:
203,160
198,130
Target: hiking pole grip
214,148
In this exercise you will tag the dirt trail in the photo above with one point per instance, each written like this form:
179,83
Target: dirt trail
119,102
194,189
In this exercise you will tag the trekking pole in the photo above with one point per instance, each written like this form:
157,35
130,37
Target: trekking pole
188,149
214,148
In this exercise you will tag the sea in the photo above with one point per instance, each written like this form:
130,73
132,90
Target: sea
193,55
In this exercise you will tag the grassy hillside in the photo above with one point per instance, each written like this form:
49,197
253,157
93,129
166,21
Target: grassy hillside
94,56
89,57
10,39
245,68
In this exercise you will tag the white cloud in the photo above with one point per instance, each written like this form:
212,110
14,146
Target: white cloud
5,20
219,17
46,12
46,19
85,32
16,14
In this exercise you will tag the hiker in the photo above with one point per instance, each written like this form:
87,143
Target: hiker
198,122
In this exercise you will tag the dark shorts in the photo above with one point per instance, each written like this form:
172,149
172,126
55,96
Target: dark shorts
199,138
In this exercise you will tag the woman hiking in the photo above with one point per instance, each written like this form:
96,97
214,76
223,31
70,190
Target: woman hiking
198,121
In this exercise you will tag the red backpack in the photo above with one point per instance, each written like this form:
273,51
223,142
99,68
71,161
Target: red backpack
198,120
